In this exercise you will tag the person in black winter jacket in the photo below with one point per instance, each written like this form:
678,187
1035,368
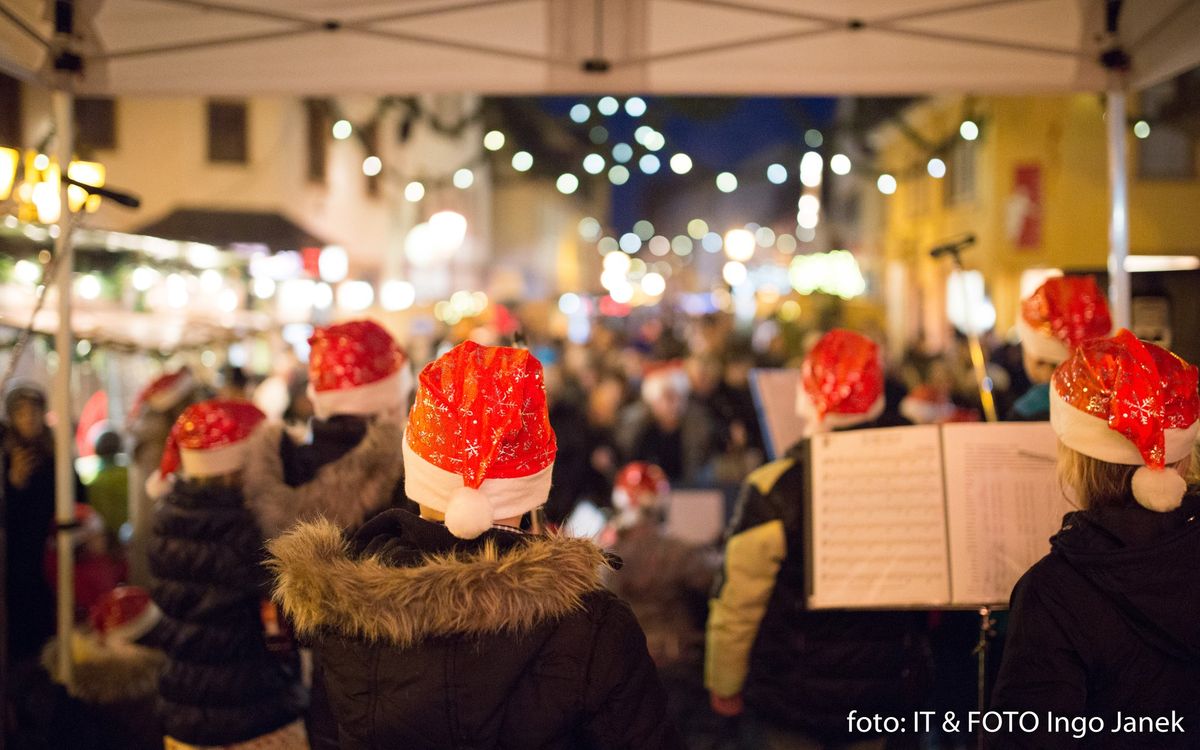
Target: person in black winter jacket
1106,628
224,684
797,673
455,628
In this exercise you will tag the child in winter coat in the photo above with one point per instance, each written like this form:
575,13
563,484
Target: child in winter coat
456,628
224,685
1103,630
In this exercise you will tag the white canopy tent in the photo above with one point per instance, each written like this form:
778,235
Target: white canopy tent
733,47
737,47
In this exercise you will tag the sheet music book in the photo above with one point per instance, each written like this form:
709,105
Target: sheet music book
929,516
774,392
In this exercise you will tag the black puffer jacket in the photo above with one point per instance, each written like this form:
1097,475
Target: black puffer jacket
505,641
221,684
1108,621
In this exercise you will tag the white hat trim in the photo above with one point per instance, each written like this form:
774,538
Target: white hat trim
386,394
137,627
165,399
1040,345
214,461
432,486
832,420
1091,436
655,385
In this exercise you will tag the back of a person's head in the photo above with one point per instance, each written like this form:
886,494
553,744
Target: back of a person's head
1126,413
108,444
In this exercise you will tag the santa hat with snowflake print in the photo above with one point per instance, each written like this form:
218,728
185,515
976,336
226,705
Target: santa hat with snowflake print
479,446
1124,401
1060,315
357,368
208,439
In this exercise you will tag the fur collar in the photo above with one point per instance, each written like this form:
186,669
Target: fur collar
322,587
108,673
345,491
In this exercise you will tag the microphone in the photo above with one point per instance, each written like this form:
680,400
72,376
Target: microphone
953,247
125,199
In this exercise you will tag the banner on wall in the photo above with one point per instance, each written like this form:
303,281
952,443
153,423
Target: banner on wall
1023,215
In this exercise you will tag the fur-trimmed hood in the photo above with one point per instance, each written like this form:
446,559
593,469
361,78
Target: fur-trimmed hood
401,591
108,673
344,491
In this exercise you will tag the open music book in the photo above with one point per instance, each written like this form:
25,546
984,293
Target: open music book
942,516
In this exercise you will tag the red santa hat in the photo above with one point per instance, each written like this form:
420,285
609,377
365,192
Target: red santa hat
208,439
663,377
841,382
479,446
1060,315
164,392
126,614
357,368
638,487
927,405
1124,401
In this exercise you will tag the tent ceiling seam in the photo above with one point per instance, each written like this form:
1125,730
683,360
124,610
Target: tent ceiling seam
726,46
748,8
427,12
206,5
1157,28
945,11
23,26
403,36
202,44
980,41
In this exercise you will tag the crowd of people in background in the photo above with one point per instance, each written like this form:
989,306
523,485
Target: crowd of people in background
173,578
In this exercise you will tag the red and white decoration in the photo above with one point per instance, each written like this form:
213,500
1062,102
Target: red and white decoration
841,382
1060,315
638,487
1124,401
668,377
208,439
124,614
164,392
479,446
357,368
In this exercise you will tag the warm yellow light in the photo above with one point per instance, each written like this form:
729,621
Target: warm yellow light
9,159
89,173
45,196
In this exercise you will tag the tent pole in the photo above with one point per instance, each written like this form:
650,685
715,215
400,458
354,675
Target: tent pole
64,475
1118,219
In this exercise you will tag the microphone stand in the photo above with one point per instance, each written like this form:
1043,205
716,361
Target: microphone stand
978,361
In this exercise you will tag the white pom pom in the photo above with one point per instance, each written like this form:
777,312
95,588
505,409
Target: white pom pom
469,513
1160,490
158,486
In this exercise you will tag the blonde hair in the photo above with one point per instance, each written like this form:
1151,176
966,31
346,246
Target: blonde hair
1099,484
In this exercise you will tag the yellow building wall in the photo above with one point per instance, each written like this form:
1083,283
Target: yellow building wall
1065,137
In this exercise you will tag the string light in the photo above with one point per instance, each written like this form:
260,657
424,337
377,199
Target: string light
589,228
567,183
734,273
618,175
593,163
580,113
649,163
886,184
839,164
813,138
372,165
630,243
397,295
522,161
936,168
726,182
653,284
414,191
635,106
622,152
607,106
968,130
494,140
697,228
342,129
464,178
1141,129
811,165
681,245
739,244
681,163
777,174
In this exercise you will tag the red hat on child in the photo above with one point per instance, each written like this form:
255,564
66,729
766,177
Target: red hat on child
1060,315
841,381
660,378
126,613
638,486
208,439
1124,401
357,368
479,446
164,391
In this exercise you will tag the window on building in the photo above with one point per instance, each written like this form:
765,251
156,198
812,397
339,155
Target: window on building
959,182
95,123
318,138
1171,108
10,111
227,136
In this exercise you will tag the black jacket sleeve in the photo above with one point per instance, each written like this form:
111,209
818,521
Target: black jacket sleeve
624,700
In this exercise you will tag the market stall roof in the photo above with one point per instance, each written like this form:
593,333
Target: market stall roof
152,332
227,228
655,46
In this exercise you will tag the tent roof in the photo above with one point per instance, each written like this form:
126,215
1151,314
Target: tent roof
225,228
654,46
